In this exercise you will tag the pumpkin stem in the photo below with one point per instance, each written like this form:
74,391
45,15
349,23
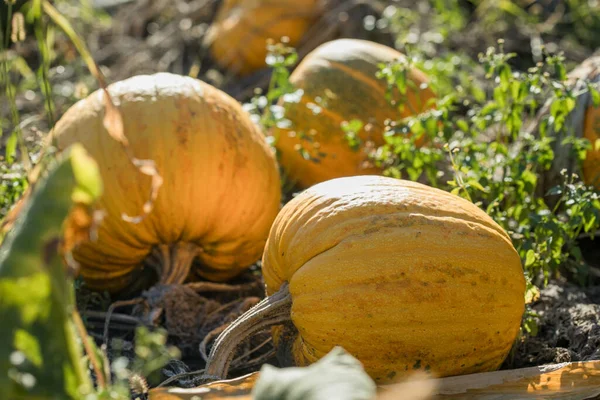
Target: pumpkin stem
173,262
273,310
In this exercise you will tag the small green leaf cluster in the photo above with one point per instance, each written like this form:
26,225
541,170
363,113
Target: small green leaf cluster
263,107
13,184
490,153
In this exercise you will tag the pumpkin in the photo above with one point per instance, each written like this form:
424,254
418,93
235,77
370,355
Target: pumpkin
238,36
582,122
591,131
339,84
403,276
585,119
221,189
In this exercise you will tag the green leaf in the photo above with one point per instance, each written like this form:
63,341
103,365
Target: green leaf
531,326
530,258
590,223
338,375
500,97
354,125
40,357
11,147
489,108
462,125
576,252
595,96
561,72
19,64
475,184
505,74
401,82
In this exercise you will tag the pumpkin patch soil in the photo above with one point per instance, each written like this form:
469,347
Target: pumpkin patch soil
569,320
569,328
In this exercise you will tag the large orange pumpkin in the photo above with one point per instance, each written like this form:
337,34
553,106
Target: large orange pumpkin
339,84
403,276
238,36
221,188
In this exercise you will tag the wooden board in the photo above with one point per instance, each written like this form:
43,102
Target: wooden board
232,389
565,381
573,381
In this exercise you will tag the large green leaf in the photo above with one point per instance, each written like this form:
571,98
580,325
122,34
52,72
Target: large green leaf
40,356
338,375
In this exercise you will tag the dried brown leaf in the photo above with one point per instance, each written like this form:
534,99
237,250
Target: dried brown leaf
113,120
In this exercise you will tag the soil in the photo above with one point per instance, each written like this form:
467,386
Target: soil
568,320
147,36
569,327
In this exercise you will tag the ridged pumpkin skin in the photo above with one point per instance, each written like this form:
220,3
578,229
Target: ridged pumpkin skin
221,189
342,73
591,164
238,36
403,276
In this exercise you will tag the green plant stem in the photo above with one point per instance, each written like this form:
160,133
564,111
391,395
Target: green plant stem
43,71
8,22
79,44
89,350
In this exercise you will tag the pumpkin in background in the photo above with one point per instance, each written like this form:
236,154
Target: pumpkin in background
585,119
403,276
221,189
339,83
591,131
238,36
582,122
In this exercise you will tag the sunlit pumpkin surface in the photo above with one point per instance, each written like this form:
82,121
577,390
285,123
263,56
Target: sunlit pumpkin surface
339,83
591,164
221,189
239,34
403,276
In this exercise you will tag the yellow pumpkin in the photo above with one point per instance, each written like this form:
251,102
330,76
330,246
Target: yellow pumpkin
339,83
221,189
238,36
403,276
